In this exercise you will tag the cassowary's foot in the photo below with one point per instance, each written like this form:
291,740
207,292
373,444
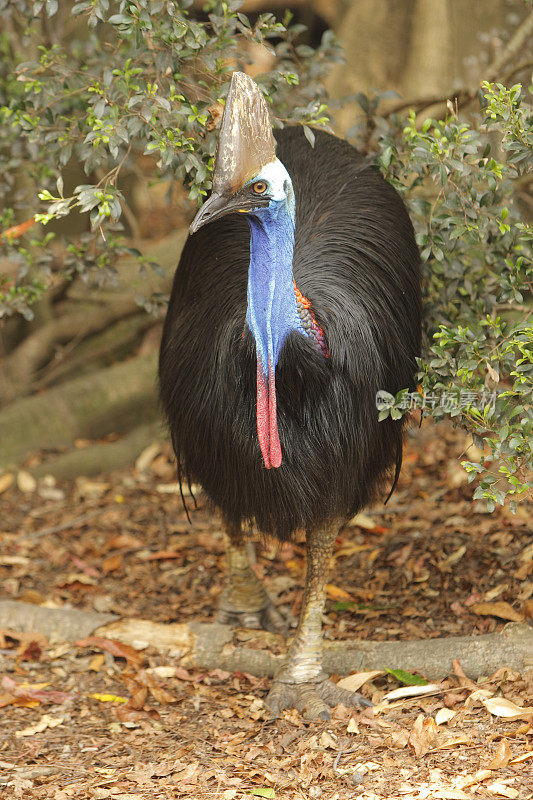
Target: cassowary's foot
244,602
312,699
267,617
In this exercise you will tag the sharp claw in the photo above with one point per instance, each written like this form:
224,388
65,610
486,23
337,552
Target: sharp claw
273,706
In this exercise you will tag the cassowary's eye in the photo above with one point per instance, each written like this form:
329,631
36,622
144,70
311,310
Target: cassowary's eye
260,187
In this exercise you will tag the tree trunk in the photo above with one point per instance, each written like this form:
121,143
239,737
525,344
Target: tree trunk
108,401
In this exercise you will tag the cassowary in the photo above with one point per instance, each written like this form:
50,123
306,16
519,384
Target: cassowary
296,299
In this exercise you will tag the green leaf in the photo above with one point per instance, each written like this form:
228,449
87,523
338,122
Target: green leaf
407,677
265,791
344,605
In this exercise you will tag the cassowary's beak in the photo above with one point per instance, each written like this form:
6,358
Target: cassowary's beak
219,205
214,208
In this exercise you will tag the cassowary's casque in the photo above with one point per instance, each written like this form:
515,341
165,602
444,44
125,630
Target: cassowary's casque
296,299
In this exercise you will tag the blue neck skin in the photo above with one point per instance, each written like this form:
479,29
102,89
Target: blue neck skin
272,313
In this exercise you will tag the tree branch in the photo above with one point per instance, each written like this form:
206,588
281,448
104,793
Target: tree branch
210,645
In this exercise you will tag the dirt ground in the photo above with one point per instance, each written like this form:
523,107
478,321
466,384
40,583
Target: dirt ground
95,721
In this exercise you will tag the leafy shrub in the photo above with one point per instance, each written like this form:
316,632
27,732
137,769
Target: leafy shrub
125,79
476,251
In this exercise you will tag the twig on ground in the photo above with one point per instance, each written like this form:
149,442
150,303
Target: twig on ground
63,526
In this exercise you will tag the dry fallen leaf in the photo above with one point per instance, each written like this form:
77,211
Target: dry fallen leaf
45,722
479,696
26,482
163,671
444,715
161,555
89,488
161,695
461,677
138,698
14,561
147,456
500,707
335,593
115,647
188,774
108,698
368,766
412,691
480,776
500,609
367,523
398,738
97,662
78,577
454,741
354,682
424,735
522,758
174,488
502,790
34,692
328,739
445,564
31,646
111,563
523,730
5,481
502,755
353,727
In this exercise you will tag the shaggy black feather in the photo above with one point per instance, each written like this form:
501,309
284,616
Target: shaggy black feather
356,260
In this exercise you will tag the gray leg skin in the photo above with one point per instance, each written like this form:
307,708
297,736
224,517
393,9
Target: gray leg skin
244,602
301,683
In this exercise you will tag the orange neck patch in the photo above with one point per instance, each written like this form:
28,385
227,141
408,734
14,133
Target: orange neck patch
309,323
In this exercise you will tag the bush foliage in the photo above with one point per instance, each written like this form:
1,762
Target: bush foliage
110,81
98,83
476,252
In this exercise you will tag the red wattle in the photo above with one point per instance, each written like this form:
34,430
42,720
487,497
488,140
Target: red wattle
275,447
267,421
263,423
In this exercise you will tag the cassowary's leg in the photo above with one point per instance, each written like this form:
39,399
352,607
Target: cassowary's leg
244,602
302,684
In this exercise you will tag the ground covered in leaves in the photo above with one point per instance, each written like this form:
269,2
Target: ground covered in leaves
100,720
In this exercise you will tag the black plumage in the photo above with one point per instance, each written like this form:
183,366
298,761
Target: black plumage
356,260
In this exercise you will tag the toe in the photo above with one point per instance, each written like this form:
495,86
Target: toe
279,697
225,617
333,695
362,702
310,704
273,621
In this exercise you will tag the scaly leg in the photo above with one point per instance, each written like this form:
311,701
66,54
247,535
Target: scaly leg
244,602
301,683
